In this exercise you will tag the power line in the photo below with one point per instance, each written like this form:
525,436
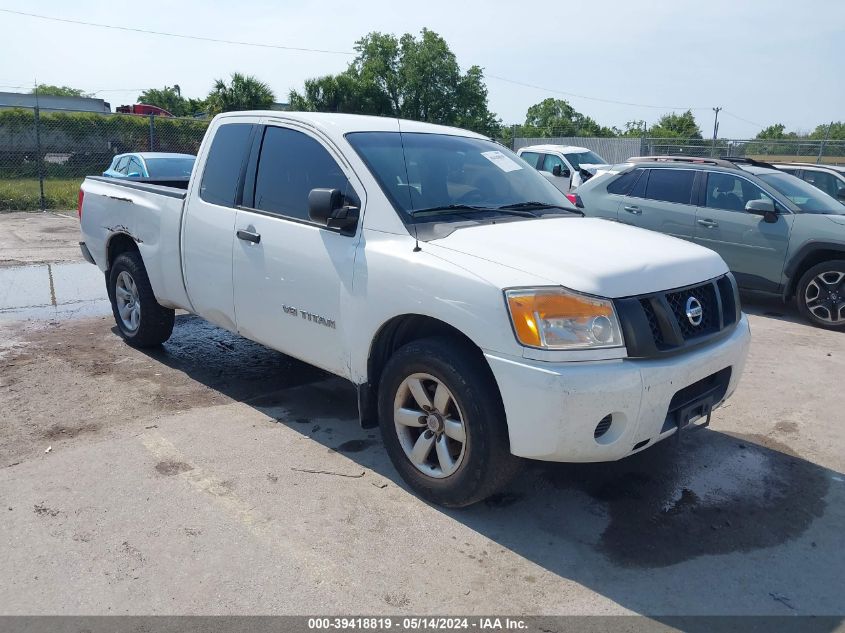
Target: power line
177,35
572,94
335,52
760,125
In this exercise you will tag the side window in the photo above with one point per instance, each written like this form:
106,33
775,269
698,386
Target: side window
725,191
121,165
624,183
290,165
530,158
225,161
551,161
670,185
822,180
135,166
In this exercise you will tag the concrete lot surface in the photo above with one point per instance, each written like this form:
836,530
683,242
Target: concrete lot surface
216,476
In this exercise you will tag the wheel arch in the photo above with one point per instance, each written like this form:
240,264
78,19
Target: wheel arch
118,243
390,336
809,255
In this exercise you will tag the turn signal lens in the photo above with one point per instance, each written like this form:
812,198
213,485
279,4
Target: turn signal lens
556,318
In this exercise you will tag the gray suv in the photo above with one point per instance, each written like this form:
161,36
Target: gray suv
777,233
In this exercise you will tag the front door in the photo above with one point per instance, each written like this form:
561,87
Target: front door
547,169
293,276
755,250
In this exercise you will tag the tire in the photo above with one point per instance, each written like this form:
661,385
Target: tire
142,322
821,294
452,473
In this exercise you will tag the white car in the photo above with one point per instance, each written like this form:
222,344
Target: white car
481,318
565,166
828,178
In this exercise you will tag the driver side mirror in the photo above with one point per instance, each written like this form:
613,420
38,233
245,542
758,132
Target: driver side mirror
325,206
558,170
763,207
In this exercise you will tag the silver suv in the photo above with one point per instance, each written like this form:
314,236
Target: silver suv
777,233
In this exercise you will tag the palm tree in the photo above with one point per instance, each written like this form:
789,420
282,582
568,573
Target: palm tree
244,92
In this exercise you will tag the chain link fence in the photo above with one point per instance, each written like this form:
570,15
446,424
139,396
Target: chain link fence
44,156
619,149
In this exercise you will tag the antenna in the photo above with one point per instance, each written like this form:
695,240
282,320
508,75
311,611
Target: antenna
417,248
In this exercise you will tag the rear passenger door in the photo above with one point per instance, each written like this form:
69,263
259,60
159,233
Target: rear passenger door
291,275
209,226
754,250
532,158
661,200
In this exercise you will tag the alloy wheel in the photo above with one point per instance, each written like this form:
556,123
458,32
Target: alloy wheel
430,425
128,301
825,297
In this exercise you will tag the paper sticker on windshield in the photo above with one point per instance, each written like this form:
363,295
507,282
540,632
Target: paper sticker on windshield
501,161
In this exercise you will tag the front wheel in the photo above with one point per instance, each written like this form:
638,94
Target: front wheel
142,322
821,294
443,422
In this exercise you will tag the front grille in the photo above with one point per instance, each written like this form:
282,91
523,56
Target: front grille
667,322
706,297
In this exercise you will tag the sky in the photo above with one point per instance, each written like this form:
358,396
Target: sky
762,61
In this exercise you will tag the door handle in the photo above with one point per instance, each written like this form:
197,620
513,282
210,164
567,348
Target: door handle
248,236
710,224
634,210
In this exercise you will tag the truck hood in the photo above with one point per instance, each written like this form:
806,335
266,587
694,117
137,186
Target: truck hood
589,255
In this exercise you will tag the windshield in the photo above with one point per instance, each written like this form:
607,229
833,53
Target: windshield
172,167
803,195
451,173
584,158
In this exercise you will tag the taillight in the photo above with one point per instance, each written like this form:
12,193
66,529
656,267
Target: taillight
79,198
570,196
575,199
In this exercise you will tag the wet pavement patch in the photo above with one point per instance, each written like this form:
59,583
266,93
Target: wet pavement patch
60,431
42,292
715,494
355,446
170,468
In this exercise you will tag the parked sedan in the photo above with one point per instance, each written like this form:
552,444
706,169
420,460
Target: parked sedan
158,165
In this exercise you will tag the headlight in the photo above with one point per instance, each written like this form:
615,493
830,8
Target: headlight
556,318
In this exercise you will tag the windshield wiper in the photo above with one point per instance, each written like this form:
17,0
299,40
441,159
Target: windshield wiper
539,205
448,208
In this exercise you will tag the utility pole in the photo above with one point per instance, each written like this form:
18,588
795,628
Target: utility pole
715,130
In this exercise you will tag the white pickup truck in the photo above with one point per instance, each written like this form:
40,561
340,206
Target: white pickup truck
480,316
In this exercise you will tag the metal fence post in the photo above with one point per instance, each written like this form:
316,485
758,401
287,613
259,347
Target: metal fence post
40,161
821,146
152,132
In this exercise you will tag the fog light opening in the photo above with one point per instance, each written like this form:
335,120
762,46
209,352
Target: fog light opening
603,426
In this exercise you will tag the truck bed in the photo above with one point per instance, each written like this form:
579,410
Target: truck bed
148,213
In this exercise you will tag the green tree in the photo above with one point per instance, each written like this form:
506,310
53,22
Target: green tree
635,128
411,77
837,131
59,91
773,132
674,125
556,117
243,92
167,98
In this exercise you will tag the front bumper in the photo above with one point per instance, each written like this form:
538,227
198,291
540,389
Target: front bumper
553,408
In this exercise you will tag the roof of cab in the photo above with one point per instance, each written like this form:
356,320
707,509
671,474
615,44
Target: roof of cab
340,124
554,148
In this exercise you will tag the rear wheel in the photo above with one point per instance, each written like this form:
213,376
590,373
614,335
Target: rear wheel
821,294
443,422
142,322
